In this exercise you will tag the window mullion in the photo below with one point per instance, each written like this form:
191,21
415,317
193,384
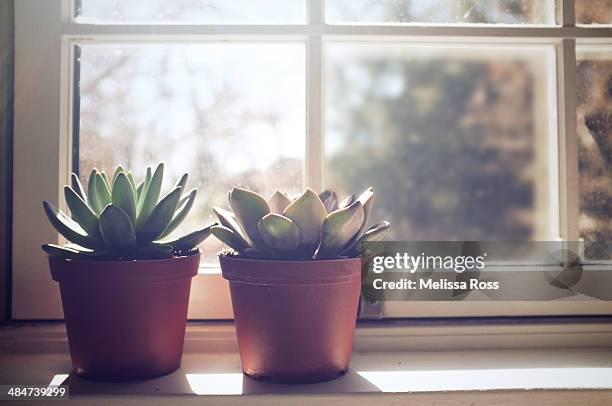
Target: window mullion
571,176
567,10
314,106
314,100
568,140
315,11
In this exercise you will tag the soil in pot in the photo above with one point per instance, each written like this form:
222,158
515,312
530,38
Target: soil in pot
125,319
294,319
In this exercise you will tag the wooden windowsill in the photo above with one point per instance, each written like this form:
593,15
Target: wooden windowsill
382,374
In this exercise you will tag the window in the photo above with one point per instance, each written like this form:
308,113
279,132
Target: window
473,119
480,109
228,114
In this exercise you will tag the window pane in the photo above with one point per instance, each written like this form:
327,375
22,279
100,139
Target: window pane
594,11
453,138
198,11
227,114
594,122
442,11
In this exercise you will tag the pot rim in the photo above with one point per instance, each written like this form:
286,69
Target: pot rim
124,261
231,257
290,272
130,272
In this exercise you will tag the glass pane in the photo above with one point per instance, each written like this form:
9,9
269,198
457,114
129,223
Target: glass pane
594,11
594,127
197,11
453,138
442,11
227,114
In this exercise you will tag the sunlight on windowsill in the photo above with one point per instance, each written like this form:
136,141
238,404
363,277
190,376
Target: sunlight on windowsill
216,384
489,379
461,371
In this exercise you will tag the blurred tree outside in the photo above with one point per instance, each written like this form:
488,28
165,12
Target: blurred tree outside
594,11
449,156
594,122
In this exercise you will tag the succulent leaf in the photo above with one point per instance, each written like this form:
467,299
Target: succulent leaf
130,177
143,189
160,217
366,199
154,251
339,228
183,199
81,249
254,253
278,202
375,233
91,192
279,232
73,251
191,240
324,195
118,170
350,199
229,238
308,213
123,196
77,186
227,219
82,214
182,181
181,212
60,252
331,202
139,193
152,191
116,227
105,178
249,207
71,230
103,193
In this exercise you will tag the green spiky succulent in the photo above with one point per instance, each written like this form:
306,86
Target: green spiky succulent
309,227
116,219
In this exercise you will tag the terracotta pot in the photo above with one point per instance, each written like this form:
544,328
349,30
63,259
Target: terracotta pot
125,319
294,319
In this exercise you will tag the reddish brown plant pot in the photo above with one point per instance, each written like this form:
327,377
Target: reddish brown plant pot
294,319
125,319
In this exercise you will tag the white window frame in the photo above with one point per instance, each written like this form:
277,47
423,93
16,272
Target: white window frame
45,32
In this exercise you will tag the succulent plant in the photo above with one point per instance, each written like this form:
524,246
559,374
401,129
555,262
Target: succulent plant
118,219
309,227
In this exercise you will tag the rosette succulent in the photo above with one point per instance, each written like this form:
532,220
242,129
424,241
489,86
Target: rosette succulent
119,219
310,226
